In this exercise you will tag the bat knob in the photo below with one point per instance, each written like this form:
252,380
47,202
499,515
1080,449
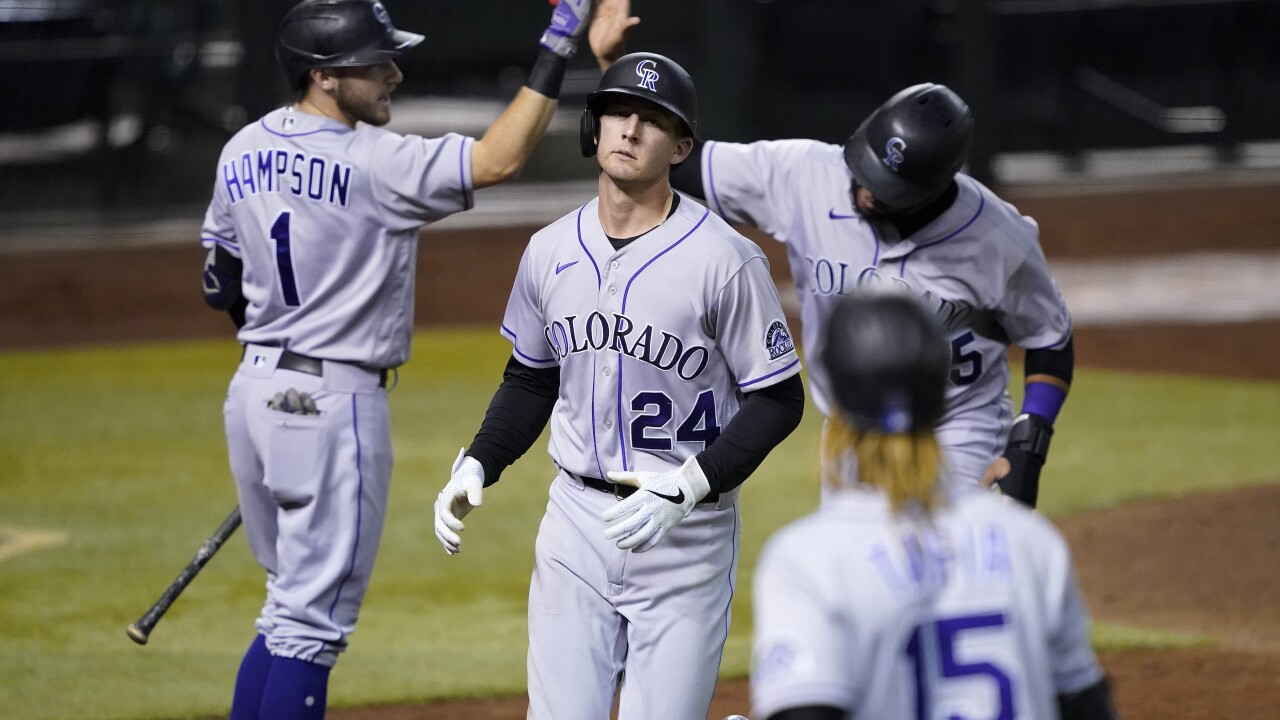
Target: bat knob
136,634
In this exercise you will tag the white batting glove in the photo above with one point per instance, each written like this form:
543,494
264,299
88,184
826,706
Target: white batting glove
664,499
569,23
464,492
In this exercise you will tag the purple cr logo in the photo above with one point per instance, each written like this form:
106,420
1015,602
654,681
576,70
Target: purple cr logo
648,74
893,153
380,13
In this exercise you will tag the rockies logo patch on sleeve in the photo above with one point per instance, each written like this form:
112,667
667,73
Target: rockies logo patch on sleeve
777,340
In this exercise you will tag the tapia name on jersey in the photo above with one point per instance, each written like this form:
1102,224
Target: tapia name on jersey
273,170
575,334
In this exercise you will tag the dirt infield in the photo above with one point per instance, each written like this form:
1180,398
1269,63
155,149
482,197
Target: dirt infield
1205,565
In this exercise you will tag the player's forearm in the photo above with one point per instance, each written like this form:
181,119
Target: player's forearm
501,154
766,418
516,416
1048,380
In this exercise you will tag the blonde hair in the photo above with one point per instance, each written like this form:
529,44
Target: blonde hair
903,465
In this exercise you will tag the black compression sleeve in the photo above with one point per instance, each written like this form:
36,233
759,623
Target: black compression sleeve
687,176
766,418
1058,363
811,712
1091,703
518,412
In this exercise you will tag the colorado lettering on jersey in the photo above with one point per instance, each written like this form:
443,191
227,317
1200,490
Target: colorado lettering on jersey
272,170
919,565
831,277
574,334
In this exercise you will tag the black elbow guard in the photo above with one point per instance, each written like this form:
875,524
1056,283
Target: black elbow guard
221,279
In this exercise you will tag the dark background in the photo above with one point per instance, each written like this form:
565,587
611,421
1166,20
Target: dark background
117,104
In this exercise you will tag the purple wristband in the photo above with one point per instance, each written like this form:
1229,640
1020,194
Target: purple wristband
1044,400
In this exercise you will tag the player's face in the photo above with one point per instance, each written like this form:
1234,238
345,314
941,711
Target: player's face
867,205
364,93
639,141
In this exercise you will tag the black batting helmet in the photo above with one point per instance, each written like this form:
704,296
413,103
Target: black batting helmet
887,360
650,76
910,148
337,33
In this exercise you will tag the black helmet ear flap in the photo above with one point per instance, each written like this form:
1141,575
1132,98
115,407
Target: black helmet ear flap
588,132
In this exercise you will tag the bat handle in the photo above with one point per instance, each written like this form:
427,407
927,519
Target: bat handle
137,634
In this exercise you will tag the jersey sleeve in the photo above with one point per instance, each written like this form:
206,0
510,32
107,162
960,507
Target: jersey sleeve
1073,663
751,331
217,228
798,651
419,180
753,183
1032,310
522,323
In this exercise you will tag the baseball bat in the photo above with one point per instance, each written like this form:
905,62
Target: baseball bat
140,631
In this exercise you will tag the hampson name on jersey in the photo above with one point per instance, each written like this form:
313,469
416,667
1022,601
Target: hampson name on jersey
272,170
661,349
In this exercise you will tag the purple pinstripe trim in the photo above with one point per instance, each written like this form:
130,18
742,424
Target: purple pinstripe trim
728,608
230,245
622,440
462,174
711,176
669,248
515,339
982,202
214,236
263,123
595,439
583,244
766,377
355,545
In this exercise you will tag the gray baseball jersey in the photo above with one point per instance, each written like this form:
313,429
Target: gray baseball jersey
976,614
325,220
656,344
979,266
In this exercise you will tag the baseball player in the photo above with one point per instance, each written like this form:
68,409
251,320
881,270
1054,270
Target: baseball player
903,598
650,335
311,237
890,208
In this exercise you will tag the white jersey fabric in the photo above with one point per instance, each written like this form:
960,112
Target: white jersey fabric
978,266
976,614
656,344
325,220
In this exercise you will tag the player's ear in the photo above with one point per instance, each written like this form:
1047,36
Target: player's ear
324,78
684,146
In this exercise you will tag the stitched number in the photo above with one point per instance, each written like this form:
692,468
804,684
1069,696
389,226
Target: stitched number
642,402
704,414
284,258
959,358
948,631
700,426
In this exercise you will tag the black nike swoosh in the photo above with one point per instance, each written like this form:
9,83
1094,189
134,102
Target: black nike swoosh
678,498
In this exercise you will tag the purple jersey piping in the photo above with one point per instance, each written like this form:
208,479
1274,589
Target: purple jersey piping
515,346
595,440
711,177
622,439
228,244
355,545
766,377
263,123
462,174
728,608
982,202
875,259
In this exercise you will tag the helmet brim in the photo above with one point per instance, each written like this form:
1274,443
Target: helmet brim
597,99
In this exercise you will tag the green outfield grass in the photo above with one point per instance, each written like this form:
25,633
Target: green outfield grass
121,450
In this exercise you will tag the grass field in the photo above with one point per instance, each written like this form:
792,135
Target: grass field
116,457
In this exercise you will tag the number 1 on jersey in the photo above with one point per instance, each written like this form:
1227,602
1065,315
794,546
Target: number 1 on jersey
284,258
